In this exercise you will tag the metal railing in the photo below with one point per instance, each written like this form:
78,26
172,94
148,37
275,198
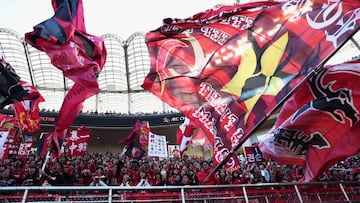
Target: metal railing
267,192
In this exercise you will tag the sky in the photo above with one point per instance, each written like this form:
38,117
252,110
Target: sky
105,16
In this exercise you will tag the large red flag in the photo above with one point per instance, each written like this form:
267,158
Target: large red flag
249,74
79,55
77,142
319,125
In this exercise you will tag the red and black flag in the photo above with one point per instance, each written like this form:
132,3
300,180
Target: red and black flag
318,125
11,90
27,111
132,144
79,55
229,84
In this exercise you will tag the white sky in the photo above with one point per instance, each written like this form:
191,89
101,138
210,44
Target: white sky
105,16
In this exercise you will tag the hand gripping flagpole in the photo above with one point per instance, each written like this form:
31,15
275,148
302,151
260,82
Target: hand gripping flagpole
244,138
47,157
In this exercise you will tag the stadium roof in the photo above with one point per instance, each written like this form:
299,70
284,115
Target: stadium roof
120,81
127,65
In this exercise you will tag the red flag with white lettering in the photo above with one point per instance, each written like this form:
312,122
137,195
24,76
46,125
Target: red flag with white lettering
77,142
24,150
248,75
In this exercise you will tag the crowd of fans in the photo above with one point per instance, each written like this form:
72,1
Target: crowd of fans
115,169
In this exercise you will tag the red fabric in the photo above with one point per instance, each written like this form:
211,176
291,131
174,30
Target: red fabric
45,144
200,139
24,150
318,126
184,134
3,118
133,134
144,133
228,86
79,55
134,149
27,111
202,174
77,142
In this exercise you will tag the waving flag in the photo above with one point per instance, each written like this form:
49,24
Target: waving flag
11,90
241,81
44,145
184,134
79,55
200,139
78,141
27,111
144,133
319,125
132,144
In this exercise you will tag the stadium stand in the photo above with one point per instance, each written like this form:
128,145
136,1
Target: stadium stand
121,102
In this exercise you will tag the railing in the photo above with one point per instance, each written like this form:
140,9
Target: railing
246,193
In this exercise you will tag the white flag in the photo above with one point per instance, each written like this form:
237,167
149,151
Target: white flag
157,145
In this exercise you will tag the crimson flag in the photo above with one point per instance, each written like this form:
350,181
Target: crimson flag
44,145
51,143
27,111
200,139
79,55
144,133
249,74
319,125
184,134
134,149
77,142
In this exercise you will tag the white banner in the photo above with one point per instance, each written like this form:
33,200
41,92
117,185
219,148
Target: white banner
157,145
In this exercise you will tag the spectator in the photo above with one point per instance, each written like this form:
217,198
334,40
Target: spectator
19,172
222,177
204,173
264,172
32,177
185,180
143,179
235,178
98,181
7,178
54,177
126,181
258,177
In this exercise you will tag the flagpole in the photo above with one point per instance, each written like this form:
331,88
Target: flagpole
45,162
310,74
